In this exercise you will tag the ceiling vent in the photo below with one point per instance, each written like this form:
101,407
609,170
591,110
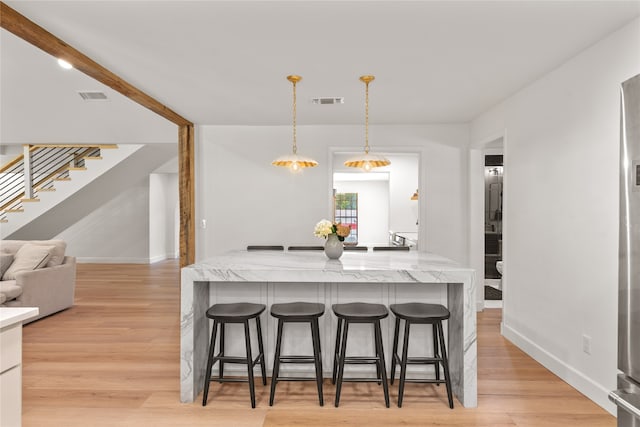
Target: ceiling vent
93,96
328,100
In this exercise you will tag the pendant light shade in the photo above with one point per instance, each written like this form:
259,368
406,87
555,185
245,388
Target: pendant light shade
367,161
293,161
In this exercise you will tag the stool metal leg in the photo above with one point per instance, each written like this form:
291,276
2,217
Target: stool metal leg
394,354
221,365
403,363
276,363
207,378
341,356
376,351
261,350
436,354
247,340
383,369
336,351
445,365
315,335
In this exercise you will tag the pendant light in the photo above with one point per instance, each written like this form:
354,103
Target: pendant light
292,161
367,161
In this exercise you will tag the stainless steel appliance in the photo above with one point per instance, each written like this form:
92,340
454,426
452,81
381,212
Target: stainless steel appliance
627,397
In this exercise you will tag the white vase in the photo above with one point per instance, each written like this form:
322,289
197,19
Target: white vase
333,247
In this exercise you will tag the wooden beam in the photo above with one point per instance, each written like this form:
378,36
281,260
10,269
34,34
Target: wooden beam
186,156
31,32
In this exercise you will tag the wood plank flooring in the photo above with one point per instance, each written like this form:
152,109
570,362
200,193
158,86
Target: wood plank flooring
113,360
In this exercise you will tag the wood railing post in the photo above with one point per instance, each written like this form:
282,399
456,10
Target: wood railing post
28,183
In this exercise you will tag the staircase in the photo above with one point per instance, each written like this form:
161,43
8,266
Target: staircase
45,175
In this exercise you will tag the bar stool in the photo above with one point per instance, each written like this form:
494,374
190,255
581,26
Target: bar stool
305,248
420,313
356,248
234,313
298,312
265,248
359,312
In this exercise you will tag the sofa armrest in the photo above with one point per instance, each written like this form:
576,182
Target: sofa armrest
51,289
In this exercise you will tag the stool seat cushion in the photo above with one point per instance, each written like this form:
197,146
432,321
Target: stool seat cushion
360,311
235,311
297,309
420,311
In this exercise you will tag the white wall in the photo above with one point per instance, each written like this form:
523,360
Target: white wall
404,180
163,195
373,209
246,200
116,232
108,220
561,211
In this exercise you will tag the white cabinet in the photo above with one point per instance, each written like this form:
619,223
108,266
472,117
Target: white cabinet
11,363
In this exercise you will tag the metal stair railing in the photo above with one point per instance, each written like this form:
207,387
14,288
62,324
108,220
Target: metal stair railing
37,170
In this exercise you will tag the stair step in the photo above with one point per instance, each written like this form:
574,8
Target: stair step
62,179
77,169
3,221
13,210
30,200
93,158
45,189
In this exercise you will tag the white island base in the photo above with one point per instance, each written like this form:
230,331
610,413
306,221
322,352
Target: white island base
11,319
375,277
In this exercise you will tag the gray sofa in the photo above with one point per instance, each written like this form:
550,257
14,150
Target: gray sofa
49,284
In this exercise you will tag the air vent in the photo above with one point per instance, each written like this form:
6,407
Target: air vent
93,96
328,100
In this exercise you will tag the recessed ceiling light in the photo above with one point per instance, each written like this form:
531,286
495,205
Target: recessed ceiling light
64,64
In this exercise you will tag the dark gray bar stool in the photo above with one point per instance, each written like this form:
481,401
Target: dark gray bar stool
415,312
240,312
265,248
391,248
298,312
305,248
359,312
355,248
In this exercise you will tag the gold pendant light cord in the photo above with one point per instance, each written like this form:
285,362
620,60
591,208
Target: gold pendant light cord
366,119
295,145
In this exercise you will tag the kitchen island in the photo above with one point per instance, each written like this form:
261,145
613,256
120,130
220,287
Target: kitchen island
269,277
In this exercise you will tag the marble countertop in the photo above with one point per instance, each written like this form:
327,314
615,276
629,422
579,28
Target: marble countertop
314,266
11,315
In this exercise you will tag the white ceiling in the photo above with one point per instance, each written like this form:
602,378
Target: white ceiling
225,63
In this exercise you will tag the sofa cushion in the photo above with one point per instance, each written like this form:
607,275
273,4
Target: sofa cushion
57,256
5,262
9,290
29,257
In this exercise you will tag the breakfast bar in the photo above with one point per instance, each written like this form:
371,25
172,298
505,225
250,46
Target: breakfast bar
269,277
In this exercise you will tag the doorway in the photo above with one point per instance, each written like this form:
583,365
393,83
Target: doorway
493,185
382,205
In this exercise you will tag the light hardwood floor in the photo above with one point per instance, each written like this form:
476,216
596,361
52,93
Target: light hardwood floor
113,360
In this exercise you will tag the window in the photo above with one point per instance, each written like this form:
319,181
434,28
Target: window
346,212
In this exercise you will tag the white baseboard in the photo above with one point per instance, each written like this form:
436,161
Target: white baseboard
576,379
111,260
157,258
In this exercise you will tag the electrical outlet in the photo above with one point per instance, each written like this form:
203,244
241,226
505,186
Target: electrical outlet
203,223
586,344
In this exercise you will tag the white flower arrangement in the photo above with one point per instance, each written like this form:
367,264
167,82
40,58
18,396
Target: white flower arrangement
324,228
